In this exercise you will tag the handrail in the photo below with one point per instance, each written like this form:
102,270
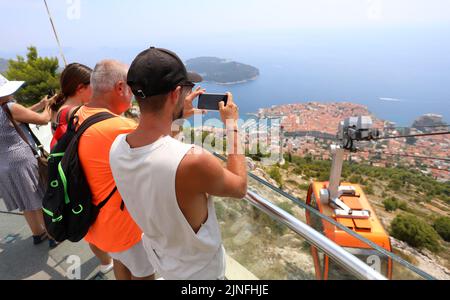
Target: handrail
330,248
338,225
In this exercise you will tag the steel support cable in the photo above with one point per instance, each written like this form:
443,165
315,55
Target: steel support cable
407,155
424,126
340,226
56,34
410,135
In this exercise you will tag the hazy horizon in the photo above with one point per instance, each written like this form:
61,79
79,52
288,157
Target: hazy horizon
348,50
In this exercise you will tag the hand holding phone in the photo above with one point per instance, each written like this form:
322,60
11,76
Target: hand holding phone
229,111
211,101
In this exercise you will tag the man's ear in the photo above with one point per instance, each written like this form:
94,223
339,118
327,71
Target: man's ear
120,87
175,95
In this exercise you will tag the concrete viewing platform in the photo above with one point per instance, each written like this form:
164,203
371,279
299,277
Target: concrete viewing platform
21,260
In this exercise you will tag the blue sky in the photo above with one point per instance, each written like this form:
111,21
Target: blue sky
324,50
116,23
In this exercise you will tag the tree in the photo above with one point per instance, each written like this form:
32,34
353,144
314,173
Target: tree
442,227
39,73
415,232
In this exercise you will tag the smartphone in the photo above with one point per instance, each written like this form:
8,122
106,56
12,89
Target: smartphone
51,93
211,101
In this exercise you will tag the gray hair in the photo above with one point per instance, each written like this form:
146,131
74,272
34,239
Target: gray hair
106,74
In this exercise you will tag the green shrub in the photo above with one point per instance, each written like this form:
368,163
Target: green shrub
285,166
442,227
275,174
356,179
395,185
403,205
415,232
369,189
304,187
391,204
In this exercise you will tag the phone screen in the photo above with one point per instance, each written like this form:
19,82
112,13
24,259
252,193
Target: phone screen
211,101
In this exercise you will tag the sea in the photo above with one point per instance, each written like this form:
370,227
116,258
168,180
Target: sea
398,76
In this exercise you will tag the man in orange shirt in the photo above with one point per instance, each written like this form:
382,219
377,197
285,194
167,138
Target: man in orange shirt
114,231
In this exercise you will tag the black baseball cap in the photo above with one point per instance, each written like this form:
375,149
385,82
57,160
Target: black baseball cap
157,71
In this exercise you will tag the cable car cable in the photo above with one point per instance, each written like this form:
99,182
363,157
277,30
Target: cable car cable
425,126
411,135
408,155
56,34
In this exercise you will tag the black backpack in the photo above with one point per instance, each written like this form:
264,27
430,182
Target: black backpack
67,204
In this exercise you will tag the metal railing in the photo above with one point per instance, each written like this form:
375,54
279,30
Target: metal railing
348,261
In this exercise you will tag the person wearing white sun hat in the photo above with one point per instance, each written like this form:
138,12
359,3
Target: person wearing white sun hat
20,186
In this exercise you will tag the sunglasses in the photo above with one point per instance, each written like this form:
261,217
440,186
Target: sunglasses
187,84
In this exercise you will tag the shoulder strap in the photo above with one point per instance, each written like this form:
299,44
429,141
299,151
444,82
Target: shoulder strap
58,117
83,127
16,126
93,120
37,141
101,204
72,149
65,114
62,114
71,124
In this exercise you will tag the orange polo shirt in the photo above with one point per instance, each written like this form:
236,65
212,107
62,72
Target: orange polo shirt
114,230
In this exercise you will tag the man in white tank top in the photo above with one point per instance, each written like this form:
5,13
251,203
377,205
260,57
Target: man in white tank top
166,185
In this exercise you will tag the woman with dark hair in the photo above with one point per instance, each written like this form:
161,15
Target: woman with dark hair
75,91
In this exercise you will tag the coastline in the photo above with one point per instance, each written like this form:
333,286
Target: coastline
235,82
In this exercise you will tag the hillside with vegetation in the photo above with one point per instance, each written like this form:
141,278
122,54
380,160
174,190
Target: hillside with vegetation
414,208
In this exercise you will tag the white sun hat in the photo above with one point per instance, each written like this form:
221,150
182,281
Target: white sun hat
7,87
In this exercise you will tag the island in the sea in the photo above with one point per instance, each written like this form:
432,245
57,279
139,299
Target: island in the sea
222,71
429,123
